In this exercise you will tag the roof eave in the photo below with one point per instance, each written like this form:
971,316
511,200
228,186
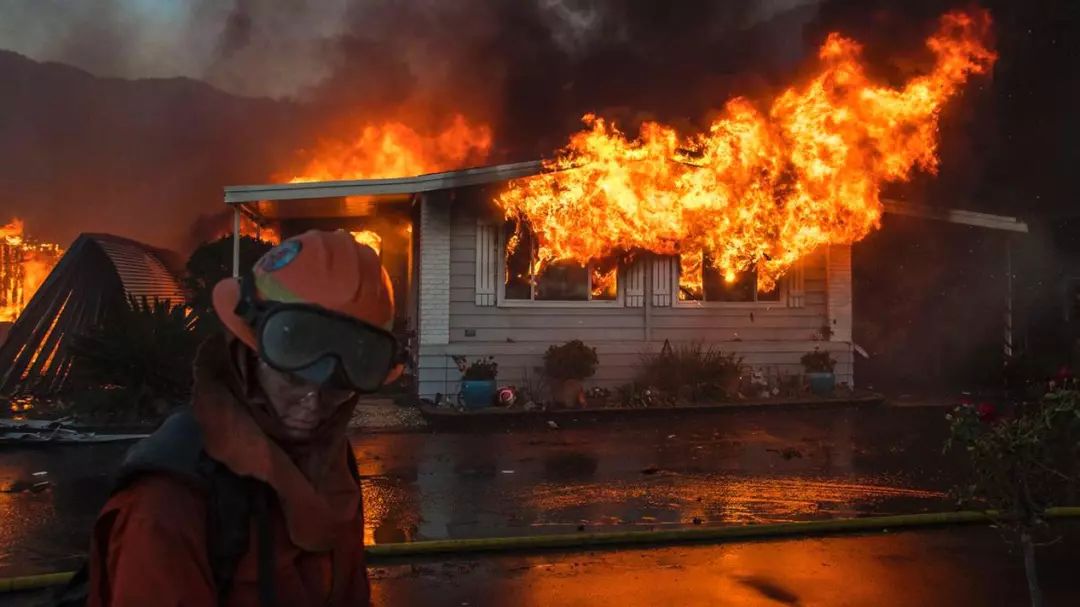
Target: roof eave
382,187
399,186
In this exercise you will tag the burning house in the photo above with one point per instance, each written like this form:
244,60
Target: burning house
24,264
739,236
97,274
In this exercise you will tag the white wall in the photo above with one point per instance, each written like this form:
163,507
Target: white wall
772,338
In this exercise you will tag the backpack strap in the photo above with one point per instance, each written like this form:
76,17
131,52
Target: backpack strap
229,504
265,546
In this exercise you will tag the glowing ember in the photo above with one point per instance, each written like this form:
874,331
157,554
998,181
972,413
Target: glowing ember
24,265
368,238
394,149
758,189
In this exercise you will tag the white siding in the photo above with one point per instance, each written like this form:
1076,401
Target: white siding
772,338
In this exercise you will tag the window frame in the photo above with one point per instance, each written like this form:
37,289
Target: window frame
503,302
782,300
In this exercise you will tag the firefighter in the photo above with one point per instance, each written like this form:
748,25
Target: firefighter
250,496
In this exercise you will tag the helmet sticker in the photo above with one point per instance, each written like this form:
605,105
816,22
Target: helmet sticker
280,256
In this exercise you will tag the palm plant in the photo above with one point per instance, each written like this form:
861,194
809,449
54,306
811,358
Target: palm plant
137,362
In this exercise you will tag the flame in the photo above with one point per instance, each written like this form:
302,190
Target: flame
265,233
24,265
758,189
604,283
369,238
12,233
394,149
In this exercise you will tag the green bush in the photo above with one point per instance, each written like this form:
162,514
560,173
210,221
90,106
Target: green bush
136,363
572,360
692,372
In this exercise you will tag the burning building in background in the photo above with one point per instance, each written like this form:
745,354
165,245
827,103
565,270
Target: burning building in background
24,265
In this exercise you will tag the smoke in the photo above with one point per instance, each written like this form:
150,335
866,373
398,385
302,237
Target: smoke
489,55
253,48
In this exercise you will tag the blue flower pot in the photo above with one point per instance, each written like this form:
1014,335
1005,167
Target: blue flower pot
477,394
822,384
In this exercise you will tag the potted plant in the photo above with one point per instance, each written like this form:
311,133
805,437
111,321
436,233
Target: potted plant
819,367
567,366
477,381
597,397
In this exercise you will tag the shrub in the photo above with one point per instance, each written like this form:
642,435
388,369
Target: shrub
692,371
210,264
572,360
818,361
1021,465
137,362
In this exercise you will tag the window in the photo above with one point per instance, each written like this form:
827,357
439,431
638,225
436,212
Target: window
700,281
560,281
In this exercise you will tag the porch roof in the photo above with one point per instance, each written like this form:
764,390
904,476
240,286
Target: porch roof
312,196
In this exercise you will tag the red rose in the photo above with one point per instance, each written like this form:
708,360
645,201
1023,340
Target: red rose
987,412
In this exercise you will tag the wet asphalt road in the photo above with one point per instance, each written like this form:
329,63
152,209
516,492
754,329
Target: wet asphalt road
657,472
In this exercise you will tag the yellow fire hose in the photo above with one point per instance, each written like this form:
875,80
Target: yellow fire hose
584,541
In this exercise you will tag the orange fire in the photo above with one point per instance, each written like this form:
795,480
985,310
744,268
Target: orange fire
758,189
24,265
394,149
368,238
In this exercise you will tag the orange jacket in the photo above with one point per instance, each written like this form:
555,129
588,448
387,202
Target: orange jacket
149,544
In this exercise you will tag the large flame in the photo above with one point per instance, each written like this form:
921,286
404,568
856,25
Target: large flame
394,149
24,265
757,189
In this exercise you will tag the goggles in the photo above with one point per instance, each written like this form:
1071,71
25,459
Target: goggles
317,345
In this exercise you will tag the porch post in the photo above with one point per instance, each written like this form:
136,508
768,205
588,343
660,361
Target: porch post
236,242
436,373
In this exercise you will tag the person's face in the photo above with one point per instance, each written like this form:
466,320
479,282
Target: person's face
300,406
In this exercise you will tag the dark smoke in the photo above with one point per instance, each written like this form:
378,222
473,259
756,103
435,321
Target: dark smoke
181,99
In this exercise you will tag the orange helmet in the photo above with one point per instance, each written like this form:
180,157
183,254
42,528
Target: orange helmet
327,271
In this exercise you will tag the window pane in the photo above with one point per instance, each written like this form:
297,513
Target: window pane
518,254
563,281
604,281
717,288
